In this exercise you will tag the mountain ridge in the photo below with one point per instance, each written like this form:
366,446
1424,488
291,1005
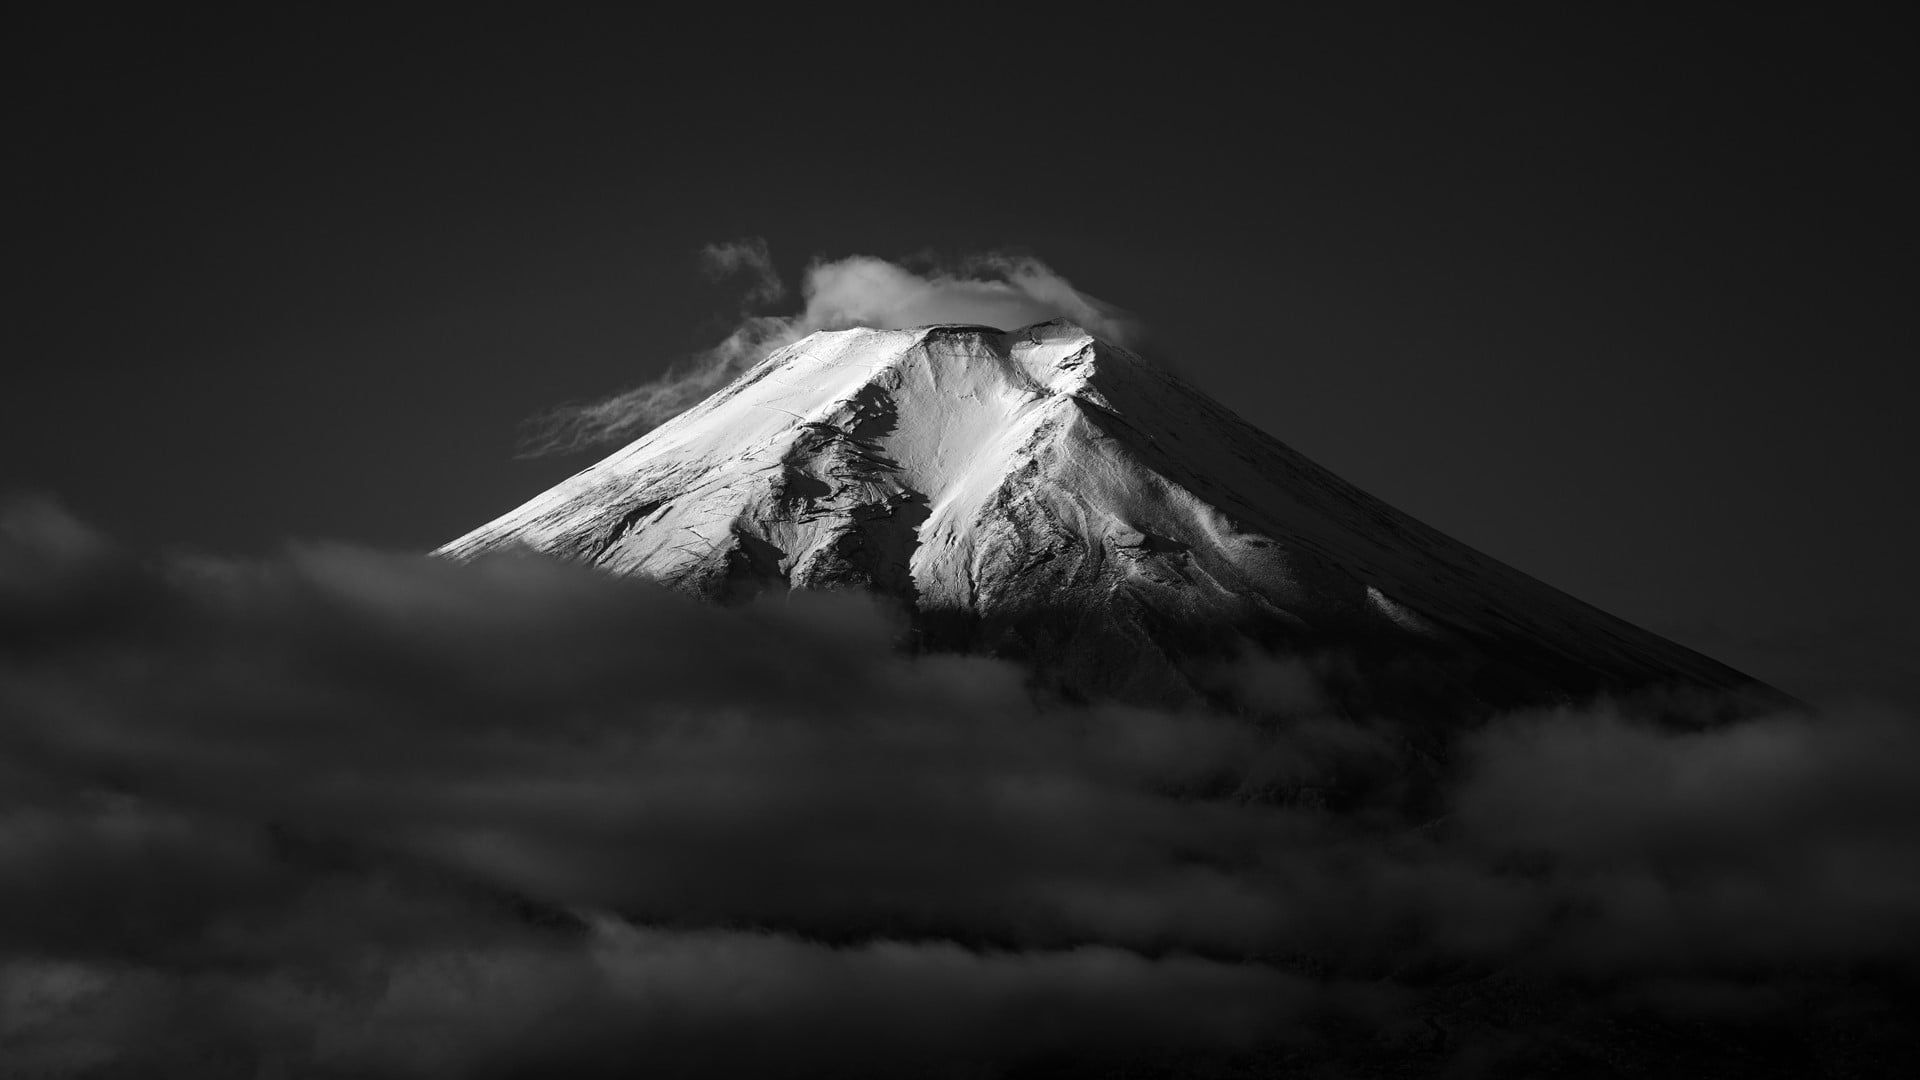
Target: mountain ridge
1043,494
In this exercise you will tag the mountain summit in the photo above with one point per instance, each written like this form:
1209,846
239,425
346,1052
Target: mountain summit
1044,494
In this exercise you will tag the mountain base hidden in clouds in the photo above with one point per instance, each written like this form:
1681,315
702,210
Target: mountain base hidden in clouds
1043,495
347,813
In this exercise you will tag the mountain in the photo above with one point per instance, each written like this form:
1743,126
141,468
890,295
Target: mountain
1043,494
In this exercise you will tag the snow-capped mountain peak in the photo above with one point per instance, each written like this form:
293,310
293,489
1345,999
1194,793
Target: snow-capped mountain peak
1043,493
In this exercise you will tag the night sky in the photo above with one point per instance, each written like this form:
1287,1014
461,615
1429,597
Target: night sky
1624,302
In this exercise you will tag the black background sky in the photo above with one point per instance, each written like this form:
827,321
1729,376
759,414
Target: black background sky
1624,301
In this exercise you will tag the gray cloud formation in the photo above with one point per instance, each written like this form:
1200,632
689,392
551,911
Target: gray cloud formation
376,814
993,289
747,258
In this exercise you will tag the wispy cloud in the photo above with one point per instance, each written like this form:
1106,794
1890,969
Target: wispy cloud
991,289
747,258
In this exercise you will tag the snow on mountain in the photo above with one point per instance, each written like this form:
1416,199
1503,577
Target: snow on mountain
1045,494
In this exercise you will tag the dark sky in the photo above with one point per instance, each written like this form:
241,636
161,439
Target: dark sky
1626,303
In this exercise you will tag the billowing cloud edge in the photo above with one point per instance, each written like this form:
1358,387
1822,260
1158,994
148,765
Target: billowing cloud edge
991,289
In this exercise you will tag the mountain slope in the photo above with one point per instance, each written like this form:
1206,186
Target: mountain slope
1044,494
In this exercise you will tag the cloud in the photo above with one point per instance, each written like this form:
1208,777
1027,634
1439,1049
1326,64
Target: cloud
1781,841
747,257
992,289
382,814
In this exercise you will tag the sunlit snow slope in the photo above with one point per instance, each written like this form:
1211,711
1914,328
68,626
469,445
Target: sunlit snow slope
1044,494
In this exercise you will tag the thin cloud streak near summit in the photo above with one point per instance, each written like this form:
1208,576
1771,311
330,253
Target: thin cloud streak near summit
991,289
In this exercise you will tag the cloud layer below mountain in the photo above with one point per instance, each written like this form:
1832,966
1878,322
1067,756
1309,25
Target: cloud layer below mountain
378,814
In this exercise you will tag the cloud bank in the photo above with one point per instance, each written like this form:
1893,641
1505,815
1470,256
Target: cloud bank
344,812
1005,291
